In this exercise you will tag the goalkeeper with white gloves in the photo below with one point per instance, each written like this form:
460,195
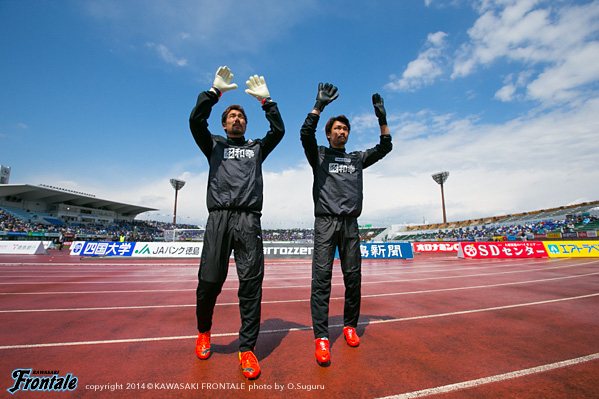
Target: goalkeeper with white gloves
234,201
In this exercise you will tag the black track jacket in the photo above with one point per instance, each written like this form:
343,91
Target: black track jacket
235,177
337,187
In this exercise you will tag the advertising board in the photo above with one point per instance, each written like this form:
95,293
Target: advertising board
572,249
506,249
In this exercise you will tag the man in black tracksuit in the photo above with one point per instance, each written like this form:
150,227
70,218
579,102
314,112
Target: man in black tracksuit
234,201
337,194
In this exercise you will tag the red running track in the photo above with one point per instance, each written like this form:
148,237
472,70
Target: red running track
434,326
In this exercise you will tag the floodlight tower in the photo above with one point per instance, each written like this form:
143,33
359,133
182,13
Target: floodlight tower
441,178
177,185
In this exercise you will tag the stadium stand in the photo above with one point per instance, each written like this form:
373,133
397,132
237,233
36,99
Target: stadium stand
40,213
526,225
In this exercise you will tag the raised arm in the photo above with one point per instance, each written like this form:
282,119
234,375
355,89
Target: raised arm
385,146
327,93
381,113
257,88
198,120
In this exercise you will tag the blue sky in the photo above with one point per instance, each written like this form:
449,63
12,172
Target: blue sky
96,95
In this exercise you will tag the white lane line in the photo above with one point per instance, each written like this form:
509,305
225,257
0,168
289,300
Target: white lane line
272,302
304,286
140,265
496,378
97,309
472,287
463,312
367,266
100,282
367,270
94,292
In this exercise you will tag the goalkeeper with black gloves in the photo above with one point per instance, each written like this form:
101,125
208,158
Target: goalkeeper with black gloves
337,193
234,201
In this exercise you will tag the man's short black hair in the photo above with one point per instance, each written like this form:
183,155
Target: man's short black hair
341,118
235,107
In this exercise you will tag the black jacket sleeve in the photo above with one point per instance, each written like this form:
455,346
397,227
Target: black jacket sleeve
378,152
308,138
198,121
277,128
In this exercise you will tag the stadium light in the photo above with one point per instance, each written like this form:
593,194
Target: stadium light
177,185
441,178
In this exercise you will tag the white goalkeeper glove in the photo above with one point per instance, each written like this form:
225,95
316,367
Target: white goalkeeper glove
257,88
222,80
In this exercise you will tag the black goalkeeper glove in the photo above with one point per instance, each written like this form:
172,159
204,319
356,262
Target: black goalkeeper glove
379,108
326,95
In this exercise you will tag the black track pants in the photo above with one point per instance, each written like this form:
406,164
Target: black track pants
331,232
241,232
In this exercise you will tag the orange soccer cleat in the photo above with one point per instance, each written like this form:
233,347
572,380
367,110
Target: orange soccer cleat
203,345
249,365
323,355
351,337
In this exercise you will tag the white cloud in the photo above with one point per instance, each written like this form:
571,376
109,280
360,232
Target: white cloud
494,168
165,54
553,42
549,49
425,68
288,198
511,31
525,164
506,93
562,81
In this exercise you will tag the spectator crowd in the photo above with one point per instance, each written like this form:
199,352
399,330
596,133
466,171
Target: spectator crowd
520,231
154,230
131,231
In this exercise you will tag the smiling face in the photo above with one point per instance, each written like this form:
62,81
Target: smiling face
338,135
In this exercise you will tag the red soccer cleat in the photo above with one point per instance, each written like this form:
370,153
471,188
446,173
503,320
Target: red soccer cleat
249,365
203,345
351,337
323,355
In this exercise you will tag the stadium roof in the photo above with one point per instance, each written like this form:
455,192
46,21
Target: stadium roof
55,195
